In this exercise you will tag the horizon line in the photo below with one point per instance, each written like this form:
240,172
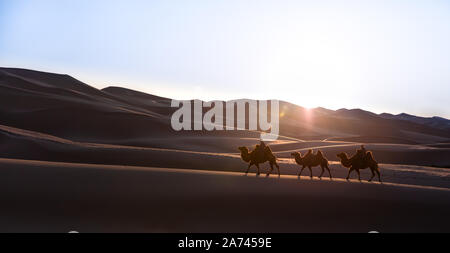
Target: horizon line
212,100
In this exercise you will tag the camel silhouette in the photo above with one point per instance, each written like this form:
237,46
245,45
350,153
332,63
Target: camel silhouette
256,157
361,160
311,160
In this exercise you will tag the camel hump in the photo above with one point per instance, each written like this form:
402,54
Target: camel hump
369,156
264,148
268,151
320,154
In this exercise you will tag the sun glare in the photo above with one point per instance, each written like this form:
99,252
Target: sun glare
317,67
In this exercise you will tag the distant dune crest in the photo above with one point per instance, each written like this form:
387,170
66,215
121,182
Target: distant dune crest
66,117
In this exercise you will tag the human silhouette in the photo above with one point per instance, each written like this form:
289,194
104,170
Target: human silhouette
262,144
261,148
363,149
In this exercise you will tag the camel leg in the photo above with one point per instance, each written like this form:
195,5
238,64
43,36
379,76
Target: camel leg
321,173
299,174
310,171
349,171
257,166
271,168
373,174
250,165
359,175
278,168
378,173
329,172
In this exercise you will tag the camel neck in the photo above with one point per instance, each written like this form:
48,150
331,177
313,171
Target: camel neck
245,156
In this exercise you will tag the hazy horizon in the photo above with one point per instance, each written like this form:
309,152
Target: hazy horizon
379,56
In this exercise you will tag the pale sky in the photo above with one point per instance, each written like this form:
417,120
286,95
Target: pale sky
382,56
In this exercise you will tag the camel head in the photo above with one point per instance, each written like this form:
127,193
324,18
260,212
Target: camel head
245,155
243,149
342,155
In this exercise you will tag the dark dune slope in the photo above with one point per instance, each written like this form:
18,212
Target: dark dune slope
63,106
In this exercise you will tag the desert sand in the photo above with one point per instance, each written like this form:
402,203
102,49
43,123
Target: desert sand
59,197
73,157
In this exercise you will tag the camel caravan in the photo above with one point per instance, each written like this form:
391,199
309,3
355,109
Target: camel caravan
262,153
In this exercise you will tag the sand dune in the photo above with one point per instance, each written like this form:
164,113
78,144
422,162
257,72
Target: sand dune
59,197
73,157
65,107
28,145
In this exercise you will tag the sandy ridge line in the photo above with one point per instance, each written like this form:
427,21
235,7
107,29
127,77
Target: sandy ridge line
209,172
55,139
